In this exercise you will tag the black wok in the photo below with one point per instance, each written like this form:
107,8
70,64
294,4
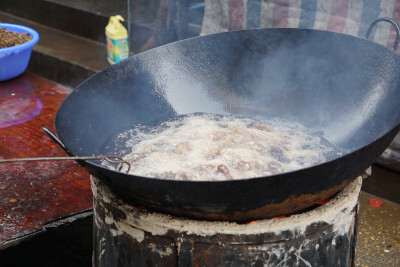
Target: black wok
343,86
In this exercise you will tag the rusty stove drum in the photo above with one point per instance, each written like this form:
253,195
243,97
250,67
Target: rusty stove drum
130,235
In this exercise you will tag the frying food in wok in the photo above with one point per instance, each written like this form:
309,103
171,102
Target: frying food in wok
207,147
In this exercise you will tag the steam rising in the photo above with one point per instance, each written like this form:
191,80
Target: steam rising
344,87
287,74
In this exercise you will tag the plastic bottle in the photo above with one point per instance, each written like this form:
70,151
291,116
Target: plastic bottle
117,40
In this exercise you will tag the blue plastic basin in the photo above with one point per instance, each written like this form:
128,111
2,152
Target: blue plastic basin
15,59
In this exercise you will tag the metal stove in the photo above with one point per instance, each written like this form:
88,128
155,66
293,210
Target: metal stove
130,235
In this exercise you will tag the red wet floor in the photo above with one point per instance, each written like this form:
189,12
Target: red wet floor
34,193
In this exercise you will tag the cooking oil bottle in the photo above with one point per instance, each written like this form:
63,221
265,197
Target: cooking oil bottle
117,40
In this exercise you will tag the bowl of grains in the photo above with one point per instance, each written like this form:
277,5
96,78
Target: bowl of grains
16,44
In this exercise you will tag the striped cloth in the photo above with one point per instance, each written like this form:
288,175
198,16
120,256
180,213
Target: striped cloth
351,17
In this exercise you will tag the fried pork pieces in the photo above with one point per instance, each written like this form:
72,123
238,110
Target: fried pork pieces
209,147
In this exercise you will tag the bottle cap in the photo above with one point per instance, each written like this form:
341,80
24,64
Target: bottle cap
375,202
114,29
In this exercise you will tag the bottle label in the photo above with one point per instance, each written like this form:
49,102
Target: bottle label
117,50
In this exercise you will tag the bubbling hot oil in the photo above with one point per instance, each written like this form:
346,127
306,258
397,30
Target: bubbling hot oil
206,147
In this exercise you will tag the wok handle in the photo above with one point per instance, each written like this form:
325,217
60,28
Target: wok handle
391,21
55,139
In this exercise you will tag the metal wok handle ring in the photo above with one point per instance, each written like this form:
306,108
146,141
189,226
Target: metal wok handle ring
391,21
55,139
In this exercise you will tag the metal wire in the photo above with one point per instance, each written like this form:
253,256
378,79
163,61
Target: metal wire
109,158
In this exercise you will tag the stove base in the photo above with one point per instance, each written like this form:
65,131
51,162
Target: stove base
125,235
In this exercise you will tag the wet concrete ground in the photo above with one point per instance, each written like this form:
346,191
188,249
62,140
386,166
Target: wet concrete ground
378,238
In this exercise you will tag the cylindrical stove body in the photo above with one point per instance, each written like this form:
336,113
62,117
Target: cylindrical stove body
126,235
